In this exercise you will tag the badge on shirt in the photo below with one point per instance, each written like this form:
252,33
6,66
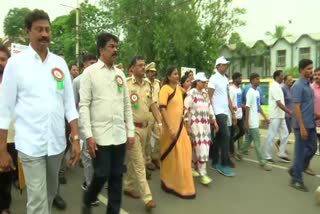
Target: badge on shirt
205,96
134,98
59,77
120,82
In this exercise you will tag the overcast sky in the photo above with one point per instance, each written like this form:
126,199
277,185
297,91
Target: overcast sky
261,16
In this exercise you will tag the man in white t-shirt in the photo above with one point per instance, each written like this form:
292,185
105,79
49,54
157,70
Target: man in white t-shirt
219,94
277,110
236,99
252,117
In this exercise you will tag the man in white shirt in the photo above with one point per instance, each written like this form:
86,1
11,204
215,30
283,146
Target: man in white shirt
236,99
37,88
106,119
252,118
277,110
219,94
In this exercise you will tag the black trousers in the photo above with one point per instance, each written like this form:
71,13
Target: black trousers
6,179
108,166
221,144
234,136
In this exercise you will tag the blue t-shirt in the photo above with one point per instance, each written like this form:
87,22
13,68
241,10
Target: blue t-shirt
302,93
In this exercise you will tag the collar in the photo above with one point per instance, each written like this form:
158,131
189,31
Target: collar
275,82
304,81
101,64
35,54
134,81
223,75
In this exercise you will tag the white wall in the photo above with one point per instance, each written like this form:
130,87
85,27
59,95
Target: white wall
280,45
304,42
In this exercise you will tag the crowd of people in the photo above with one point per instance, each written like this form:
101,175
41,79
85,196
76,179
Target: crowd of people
124,127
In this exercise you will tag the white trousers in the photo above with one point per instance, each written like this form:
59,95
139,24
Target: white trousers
277,125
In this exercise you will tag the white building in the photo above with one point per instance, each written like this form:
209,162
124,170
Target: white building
264,57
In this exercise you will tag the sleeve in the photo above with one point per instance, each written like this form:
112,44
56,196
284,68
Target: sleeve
163,97
76,83
211,112
9,94
71,112
127,109
296,92
85,103
249,99
212,83
188,103
233,95
274,93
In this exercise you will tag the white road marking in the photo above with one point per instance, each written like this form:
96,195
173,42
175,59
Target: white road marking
273,165
104,200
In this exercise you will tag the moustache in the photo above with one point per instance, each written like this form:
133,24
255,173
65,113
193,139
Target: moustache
44,39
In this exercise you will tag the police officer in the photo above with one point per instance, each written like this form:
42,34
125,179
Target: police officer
142,101
152,154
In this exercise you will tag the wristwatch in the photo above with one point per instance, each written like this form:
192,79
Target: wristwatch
75,137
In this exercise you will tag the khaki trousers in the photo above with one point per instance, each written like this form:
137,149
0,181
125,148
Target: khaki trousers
136,171
152,148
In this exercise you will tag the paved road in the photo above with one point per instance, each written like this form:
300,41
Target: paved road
251,191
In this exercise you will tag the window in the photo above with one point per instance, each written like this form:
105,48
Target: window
281,58
304,53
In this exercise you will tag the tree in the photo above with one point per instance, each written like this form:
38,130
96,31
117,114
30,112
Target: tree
278,33
181,32
92,21
14,25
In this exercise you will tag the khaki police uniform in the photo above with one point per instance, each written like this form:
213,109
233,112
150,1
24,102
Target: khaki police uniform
152,152
141,99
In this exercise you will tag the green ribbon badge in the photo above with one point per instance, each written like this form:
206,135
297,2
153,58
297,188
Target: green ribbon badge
134,98
120,82
205,96
59,77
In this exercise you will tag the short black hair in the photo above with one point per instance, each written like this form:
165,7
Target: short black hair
236,75
253,76
33,16
276,74
286,77
88,56
135,59
72,64
304,63
184,78
5,50
103,38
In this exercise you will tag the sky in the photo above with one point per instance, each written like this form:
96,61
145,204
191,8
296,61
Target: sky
299,16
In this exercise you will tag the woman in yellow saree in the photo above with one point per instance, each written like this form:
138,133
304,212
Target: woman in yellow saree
175,147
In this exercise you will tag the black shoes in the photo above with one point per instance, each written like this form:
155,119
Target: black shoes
299,186
59,203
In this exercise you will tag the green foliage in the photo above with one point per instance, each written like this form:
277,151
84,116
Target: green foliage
14,25
279,32
294,72
173,32
93,21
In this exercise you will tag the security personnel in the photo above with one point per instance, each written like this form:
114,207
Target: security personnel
152,154
142,101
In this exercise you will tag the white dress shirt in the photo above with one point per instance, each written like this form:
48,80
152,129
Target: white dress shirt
105,111
30,92
220,102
